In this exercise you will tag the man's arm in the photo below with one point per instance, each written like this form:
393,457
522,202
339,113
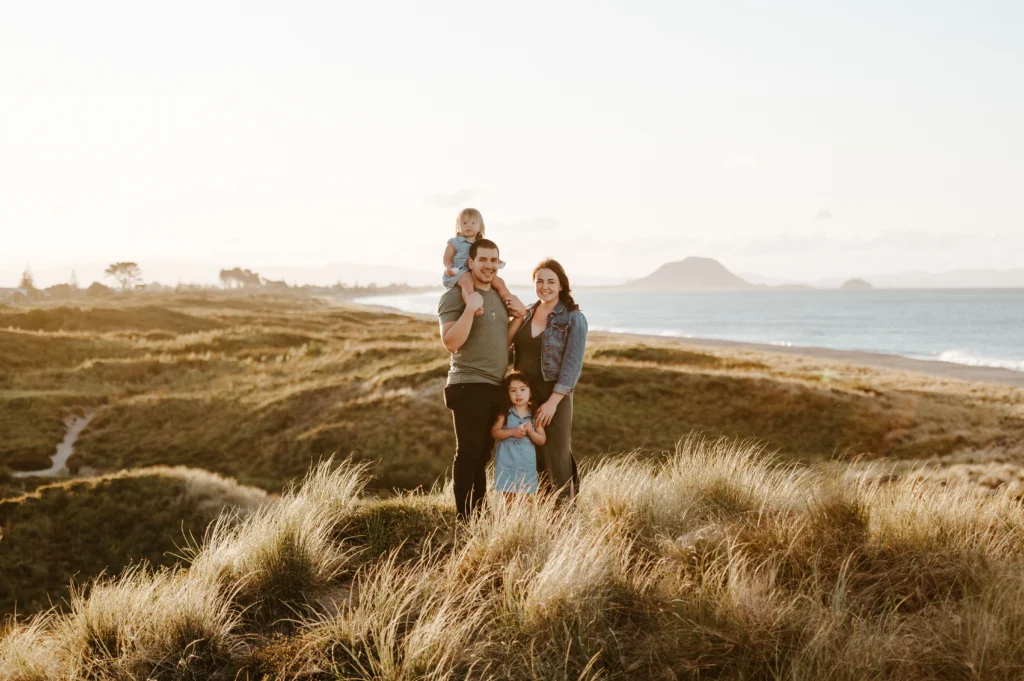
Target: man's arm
513,328
454,334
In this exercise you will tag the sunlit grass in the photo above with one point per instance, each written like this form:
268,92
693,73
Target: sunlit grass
715,562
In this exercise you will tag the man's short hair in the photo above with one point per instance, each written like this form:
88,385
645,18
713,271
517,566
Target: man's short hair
482,243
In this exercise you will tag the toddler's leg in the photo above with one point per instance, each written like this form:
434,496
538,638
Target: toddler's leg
466,284
512,302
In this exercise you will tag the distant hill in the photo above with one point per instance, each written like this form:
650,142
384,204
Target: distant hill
856,285
691,274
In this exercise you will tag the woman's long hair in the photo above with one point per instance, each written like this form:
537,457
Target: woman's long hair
565,295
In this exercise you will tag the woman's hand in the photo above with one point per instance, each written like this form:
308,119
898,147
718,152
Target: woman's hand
545,413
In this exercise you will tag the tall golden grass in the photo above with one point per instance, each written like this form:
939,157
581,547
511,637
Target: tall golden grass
82,527
714,562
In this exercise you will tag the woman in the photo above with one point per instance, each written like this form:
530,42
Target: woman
549,343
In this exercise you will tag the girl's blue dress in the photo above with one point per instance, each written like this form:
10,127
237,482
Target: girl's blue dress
515,463
460,262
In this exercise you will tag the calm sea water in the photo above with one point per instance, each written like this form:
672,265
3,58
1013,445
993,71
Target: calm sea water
977,327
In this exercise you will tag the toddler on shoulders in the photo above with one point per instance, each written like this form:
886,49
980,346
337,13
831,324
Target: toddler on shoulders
469,226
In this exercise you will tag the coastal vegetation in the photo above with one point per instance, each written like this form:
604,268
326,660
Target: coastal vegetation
261,387
712,561
853,522
80,528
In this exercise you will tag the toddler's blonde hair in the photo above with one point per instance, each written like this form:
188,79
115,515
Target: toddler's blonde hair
470,213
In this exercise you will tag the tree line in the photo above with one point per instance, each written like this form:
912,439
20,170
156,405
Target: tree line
127,276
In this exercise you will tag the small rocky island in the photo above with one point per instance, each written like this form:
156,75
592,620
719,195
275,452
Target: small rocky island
856,285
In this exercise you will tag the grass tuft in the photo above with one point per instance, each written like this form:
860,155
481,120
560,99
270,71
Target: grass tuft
163,625
279,559
27,650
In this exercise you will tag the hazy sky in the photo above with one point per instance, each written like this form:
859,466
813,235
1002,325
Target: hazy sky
792,140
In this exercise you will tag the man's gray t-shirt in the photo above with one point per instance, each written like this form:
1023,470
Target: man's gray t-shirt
483,358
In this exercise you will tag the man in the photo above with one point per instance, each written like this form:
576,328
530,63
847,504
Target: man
479,349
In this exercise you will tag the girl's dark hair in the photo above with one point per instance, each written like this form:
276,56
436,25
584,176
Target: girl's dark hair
515,376
565,295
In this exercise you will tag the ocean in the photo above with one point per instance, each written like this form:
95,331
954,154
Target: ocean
979,327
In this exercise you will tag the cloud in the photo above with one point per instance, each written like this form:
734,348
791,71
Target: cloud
748,161
451,199
819,215
536,224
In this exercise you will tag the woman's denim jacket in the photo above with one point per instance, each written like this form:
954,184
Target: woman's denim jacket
562,345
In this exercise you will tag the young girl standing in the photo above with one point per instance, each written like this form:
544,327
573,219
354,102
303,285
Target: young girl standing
469,226
515,465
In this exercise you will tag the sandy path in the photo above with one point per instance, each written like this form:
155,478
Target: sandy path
65,449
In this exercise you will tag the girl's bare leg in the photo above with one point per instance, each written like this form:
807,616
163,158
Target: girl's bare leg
512,302
468,288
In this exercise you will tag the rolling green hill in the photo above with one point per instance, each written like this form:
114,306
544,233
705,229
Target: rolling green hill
260,387
81,528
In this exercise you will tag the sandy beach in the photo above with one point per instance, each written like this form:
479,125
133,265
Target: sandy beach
962,372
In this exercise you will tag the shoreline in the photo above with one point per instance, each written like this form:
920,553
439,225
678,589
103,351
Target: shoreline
878,360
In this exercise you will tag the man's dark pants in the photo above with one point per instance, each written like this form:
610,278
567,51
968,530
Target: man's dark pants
475,407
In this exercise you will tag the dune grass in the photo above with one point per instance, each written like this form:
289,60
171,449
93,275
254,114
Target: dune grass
100,319
81,528
713,562
262,387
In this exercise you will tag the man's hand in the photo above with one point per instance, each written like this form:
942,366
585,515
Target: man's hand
515,306
455,334
474,302
545,413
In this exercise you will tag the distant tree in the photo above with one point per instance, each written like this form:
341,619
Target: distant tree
61,291
125,273
239,278
73,281
250,278
276,285
98,290
27,281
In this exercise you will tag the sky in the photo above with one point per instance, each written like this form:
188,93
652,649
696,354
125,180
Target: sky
794,140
